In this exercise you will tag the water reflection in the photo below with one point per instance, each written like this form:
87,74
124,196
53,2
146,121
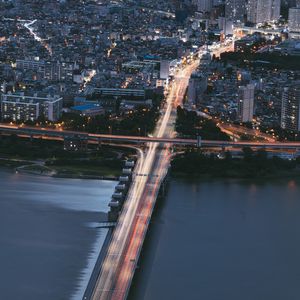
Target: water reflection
223,240
48,241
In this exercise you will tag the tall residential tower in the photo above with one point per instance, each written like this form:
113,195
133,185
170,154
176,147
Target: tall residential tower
261,11
290,112
235,10
294,18
246,103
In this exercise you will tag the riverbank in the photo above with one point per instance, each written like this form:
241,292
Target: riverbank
63,171
48,158
254,165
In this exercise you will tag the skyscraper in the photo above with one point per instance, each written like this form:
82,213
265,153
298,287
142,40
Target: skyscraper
235,10
246,103
197,87
203,5
290,111
225,25
294,18
164,69
261,11
276,5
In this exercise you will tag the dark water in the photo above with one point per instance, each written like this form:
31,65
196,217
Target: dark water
223,240
48,235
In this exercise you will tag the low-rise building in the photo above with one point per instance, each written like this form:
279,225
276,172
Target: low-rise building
89,110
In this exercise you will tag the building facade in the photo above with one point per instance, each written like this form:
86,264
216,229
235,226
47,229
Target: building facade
18,107
204,5
53,71
164,69
225,25
197,87
294,19
261,11
246,103
290,111
235,10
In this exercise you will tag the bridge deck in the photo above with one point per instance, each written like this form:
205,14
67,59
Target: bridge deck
53,134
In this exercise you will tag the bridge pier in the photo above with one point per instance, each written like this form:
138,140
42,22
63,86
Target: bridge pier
164,185
199,140
99,144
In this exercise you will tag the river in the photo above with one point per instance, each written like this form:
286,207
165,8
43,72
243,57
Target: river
217,240
49,240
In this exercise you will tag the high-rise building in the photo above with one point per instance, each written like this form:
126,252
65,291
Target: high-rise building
290,110
164,69
225,25
261,11
246,103
204,5
18,107
197,87
235,10
276,6
294,18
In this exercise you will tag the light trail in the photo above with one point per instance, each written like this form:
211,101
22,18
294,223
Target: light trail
88,79
163,138
242,130
119,264
28,25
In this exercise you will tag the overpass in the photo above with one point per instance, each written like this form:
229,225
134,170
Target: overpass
57,134
252,30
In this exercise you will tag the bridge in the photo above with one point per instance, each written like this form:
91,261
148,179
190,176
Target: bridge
56,134
122,255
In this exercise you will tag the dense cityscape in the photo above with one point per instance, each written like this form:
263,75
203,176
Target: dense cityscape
151,101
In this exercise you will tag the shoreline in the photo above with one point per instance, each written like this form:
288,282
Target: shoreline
30,167
254,166
182,175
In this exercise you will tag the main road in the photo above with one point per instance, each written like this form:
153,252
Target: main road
123,252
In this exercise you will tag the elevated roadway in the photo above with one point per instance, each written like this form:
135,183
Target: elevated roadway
54,134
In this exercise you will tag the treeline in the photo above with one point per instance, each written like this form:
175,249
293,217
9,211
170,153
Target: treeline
282,134
139,122
23,148
189,124
253,164
272,60
12,146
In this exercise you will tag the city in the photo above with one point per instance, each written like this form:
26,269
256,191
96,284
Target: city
150,150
